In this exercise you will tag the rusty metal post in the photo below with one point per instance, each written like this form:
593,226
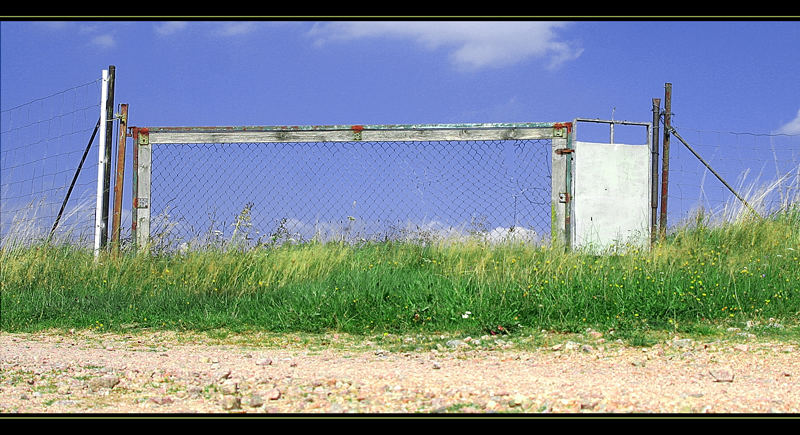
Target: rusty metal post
654,175
665,158
117,213
134,181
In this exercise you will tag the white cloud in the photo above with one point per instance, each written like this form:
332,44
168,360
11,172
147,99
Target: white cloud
472,44
169,27
103,41
235,28
792,127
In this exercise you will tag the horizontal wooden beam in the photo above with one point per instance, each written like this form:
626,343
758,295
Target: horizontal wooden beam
351,133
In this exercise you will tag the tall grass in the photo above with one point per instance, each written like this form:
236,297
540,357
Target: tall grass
727,268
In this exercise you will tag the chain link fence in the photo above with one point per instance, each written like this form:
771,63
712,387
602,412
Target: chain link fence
249,194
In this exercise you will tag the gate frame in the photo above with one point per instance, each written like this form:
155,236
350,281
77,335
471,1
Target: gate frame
559,133
653,169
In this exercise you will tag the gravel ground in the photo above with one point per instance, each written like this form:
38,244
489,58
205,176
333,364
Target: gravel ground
161,372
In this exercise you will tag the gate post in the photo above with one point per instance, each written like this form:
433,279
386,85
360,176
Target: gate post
561,192
141,188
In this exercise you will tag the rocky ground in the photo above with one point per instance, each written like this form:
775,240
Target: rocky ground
86,372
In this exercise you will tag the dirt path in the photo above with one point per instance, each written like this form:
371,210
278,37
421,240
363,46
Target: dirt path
169,373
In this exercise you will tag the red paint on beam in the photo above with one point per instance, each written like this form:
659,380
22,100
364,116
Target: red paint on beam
567,125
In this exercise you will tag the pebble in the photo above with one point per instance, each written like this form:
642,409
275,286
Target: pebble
229,387
222,374
106,381
231,402
273,394
161,400
253,400
722,374
682,343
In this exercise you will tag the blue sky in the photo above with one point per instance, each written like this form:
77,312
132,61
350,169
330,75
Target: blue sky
727,76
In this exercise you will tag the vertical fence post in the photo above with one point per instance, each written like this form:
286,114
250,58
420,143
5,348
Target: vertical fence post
665,158
101,166
134,182
654,173
560,187
141,198
117,214
107,150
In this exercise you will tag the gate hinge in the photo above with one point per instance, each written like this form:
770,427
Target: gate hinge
564,197
562,151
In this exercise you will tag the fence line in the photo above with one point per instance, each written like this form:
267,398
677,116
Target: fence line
41,144
763,168
261,193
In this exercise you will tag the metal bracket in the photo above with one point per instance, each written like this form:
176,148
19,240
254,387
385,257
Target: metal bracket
357,129
144,139
564,197
141,202
562,151
559,131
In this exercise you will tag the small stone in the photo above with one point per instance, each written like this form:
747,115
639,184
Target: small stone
65,403
517,400
587,348
570,345
222,374
107,381
436,365
161,400
455,343
229,387
273,394
253,400
264,362
231,402
682,343
64,389
721,374
742,347
590,403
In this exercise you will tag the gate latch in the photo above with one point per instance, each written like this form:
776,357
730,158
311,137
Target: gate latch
564,197
562,151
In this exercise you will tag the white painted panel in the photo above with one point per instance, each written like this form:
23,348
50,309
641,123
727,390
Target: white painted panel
611,195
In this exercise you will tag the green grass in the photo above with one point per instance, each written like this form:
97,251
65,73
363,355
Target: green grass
701,277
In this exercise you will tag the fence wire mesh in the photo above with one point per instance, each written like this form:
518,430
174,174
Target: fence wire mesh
41,145
249,194
762,168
